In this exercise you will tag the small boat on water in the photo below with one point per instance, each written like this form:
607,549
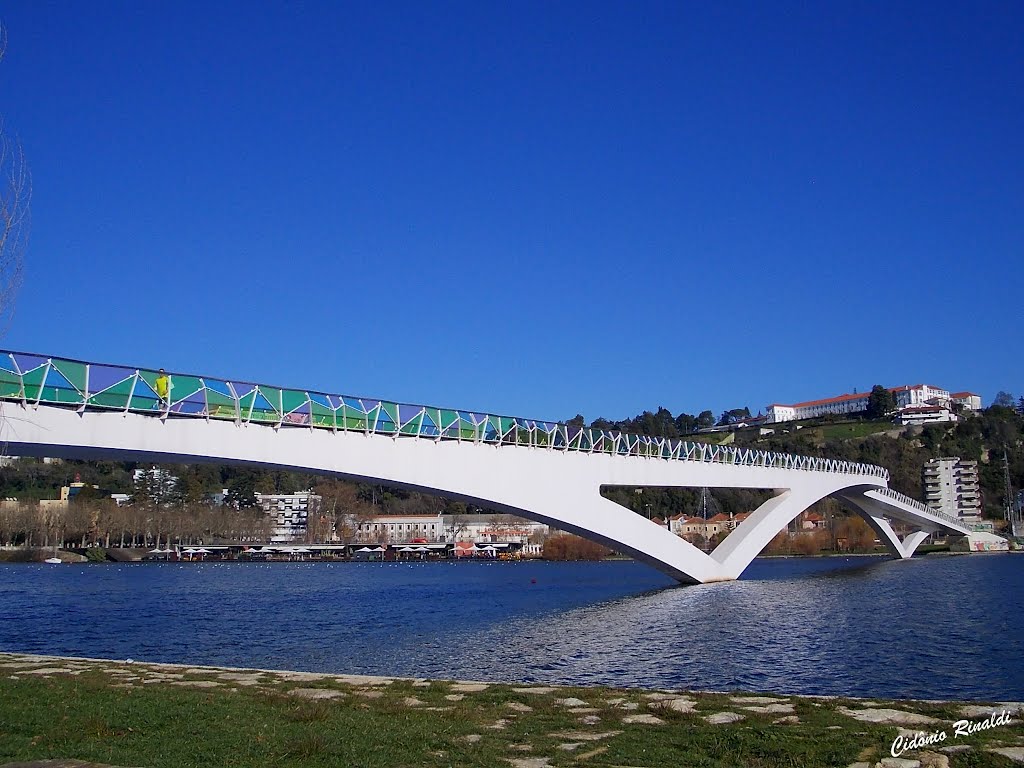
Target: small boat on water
53,560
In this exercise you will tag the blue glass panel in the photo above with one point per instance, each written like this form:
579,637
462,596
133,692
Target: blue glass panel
323,400
262,404
220,387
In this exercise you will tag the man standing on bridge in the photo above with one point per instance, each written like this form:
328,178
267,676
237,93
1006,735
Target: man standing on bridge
163,387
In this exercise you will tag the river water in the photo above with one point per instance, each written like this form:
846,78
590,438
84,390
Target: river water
945,627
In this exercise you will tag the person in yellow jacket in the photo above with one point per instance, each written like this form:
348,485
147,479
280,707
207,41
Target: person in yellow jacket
163,386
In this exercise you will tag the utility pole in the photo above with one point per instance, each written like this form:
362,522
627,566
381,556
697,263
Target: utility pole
1011,512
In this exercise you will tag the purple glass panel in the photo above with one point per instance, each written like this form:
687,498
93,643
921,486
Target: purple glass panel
241,388
105,376
29,362
189,408
408,412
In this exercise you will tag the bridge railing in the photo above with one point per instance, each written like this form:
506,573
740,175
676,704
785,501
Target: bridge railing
34,380
917,505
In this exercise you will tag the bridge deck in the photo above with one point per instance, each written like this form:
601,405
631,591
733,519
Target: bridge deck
34,380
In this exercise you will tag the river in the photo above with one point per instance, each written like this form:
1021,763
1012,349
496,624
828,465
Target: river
944,627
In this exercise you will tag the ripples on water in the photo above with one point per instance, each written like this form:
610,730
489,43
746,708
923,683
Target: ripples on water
935,627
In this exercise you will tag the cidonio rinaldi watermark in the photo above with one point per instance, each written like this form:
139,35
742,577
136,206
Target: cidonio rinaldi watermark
903,743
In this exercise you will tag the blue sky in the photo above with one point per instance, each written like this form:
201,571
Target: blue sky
536,209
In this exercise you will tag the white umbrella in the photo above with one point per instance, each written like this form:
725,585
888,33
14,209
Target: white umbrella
421,549
408,549
202,551
364,549
156,551
191,551
378,549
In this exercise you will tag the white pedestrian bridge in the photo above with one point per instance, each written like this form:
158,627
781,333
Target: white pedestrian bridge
540,470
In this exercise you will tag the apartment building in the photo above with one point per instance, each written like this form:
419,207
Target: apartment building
951,486
289,513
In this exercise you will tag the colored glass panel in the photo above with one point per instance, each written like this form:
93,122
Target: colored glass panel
73,373
184,387
33,380
293,400
10,384
115,396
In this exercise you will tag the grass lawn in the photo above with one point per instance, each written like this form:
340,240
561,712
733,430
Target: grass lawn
161,715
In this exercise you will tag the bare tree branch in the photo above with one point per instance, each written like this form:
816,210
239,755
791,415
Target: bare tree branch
15,194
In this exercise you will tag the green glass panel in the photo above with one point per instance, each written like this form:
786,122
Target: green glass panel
214,397
321,415
60,395
506,424
73,372
320,410
219,405
245,403
183,386
150,378
448,418
292,399
323,420
7,364
34,381
273,396
115,396
413,427
391,410
353,420
10,384
143,400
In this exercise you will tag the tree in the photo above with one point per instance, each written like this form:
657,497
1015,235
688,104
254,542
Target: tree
880,402
242,492
1004,399
735,416
705,419
15,193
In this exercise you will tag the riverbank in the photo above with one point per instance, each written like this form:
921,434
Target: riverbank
141,714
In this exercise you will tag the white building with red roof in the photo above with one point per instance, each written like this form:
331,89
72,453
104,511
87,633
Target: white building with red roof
906,396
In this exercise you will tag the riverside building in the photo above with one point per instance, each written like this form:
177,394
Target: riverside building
289,513
951,486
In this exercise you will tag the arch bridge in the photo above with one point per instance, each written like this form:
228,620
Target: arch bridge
544,471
